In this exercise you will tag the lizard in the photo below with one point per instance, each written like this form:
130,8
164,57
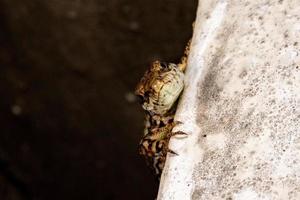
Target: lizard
159,90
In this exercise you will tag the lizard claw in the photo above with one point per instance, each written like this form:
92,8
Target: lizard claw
178,122
179,133
172,152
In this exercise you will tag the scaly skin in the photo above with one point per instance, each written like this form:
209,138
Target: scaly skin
159,90
154,145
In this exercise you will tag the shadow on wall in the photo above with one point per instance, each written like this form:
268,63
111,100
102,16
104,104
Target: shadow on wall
69,123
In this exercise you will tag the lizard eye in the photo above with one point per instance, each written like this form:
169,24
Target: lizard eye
164,65
146,95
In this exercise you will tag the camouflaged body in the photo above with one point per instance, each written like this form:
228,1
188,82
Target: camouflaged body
159,90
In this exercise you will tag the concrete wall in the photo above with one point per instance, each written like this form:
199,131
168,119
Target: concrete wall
240,106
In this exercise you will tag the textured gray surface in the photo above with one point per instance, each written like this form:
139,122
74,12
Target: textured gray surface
241,105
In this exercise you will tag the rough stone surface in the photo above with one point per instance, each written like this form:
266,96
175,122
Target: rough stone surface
241,105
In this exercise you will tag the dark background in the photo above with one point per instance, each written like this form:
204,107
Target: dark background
69,125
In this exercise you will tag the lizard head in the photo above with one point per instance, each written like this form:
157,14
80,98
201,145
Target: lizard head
160,87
